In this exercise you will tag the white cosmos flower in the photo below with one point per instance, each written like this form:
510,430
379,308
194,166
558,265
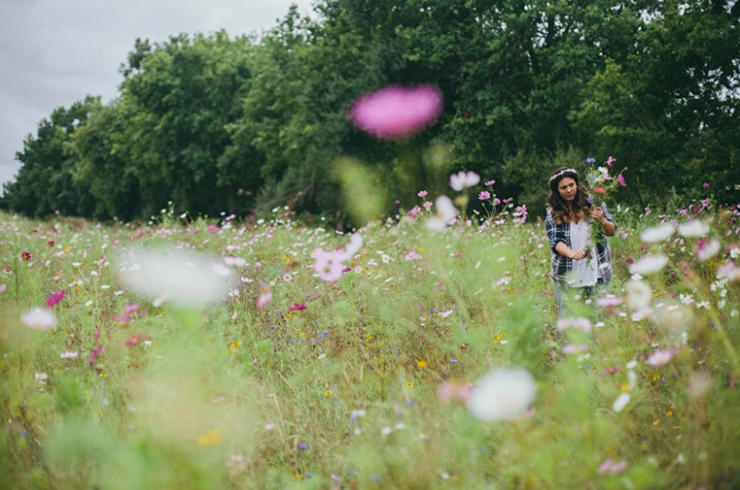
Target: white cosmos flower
709,250
446,212
695,228
39,319
354,245
181,277
639,295
621,402
462,180
648,264
502,394
658,233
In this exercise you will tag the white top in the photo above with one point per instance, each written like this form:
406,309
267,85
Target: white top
584,271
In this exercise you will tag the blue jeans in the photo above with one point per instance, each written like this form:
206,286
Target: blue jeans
586,292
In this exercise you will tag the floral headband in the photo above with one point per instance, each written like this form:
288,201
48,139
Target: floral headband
563,172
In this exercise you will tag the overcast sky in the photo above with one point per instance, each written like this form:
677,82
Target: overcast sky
55,52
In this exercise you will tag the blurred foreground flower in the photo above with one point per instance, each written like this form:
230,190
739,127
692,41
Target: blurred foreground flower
566,323
639,294
446,212
661,357
621,402
709,250
502,394
463,180
648,264
396,112
695,228
265,297
184,278
610,466
330,265
39,319
658,233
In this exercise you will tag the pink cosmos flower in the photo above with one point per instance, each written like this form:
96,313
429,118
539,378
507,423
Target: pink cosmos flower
609,371
610,466
265,297
620,180
448,391
608,302
599,190
428,204
413,212
575,348
395,112
485,195
610,161
490,183
422,193
661,357
582,323
706,185
55,298
212,228
328,265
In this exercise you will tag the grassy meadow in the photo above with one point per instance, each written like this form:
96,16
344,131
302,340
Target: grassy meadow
339,385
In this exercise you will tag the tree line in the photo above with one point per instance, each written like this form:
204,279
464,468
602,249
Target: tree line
216,124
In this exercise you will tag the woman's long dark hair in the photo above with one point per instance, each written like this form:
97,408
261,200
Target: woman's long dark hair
559,207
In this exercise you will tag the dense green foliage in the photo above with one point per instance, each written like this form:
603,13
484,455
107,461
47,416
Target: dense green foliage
240,125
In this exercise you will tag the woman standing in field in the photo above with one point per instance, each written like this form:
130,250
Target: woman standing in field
570,216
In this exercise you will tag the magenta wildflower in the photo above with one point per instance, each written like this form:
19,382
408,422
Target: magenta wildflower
395,112
620,180
609,371
265,297
490,183
55,298
484,196
706,185
296,307
212,228
26,256
95,353
422,193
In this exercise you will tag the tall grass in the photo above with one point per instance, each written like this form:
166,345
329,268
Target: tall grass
343,394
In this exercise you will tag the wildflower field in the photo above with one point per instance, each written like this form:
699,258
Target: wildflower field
413,353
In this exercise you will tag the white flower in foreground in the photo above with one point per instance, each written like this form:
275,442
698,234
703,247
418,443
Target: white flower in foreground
180,277
639,295
658,233
621,402
39,319
354,246
462,180
695,228
502,394
648,264
709,250
446,212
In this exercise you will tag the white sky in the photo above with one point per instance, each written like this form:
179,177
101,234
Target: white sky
55,52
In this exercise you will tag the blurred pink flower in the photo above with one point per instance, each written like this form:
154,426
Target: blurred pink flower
265,297
396,112
296,307
55,298
661,357
448,391
599,190
609,466
422,193
575,348
328,265
484,195
620,180
490,183
609,301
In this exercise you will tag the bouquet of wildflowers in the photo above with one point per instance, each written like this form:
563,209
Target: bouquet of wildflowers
603,186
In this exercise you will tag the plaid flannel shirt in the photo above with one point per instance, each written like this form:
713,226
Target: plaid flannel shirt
562,266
